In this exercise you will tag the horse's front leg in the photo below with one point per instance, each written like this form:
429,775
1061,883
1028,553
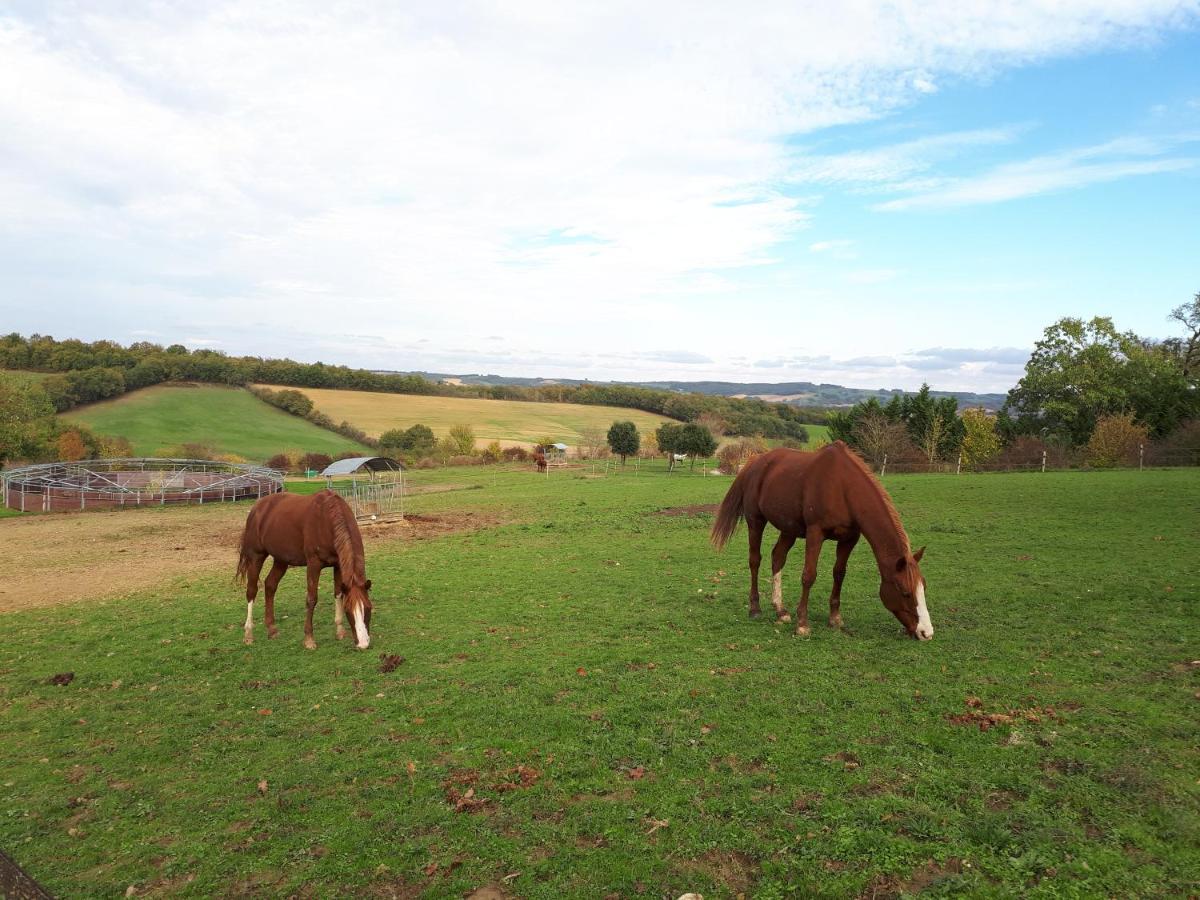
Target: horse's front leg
778,558
839,573
755,530
813,538
339,603
314,579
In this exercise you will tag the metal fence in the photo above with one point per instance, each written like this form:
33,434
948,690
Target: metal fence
118,483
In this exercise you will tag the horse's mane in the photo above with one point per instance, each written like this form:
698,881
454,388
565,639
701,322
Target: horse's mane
859,463
351,564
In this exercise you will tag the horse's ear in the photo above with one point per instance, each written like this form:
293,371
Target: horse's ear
367,585
917,556
901,563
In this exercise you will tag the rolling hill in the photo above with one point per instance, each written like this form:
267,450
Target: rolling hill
229,419
506,421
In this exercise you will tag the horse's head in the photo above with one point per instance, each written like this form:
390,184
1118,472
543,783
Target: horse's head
358,605
902,590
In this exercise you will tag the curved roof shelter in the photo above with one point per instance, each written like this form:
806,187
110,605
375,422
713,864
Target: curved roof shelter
362,464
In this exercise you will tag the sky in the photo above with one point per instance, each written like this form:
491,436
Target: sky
868,194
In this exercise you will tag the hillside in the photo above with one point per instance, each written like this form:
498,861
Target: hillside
797,393
229,419
507,421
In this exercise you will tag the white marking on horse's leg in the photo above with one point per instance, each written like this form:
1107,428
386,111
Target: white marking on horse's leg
360,629
781,612
924,626
339,606
249,636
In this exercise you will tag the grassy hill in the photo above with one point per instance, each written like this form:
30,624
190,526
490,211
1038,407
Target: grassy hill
231,420
19,376
507,421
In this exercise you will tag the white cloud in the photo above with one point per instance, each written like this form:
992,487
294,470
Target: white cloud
451,169
1122,158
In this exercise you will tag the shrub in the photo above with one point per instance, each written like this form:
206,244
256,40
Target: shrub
980,442
315,461
279,461
1180,448
115,448
463,459
1115,441
426,462
624,440
493,452
70,447
516,454
736,454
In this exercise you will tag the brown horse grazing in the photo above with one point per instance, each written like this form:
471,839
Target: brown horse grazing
823,496
316,531
539,457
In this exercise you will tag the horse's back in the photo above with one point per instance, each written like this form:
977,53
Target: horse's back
275,527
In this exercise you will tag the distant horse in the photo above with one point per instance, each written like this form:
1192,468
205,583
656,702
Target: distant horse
316,531
539,457
826,495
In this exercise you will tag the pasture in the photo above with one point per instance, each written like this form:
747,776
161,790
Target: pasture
229,419
507,421
584,709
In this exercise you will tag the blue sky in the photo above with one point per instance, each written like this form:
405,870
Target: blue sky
875,198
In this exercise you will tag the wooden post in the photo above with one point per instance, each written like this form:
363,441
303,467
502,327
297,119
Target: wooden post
1141,456
958,468
883,468
1043,460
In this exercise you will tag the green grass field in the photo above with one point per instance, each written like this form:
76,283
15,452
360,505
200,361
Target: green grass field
587,669
232,420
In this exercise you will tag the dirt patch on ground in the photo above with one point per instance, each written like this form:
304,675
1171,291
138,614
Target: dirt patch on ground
696,510
95,555
892,887
735,870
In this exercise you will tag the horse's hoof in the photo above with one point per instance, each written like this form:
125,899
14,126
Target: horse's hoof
247,640
836,623
341,635
803,631
785,618
273,633
755,613
310,644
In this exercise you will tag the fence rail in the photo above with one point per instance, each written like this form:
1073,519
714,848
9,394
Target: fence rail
109,483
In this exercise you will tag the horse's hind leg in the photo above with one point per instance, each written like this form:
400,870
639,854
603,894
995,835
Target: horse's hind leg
252,572
839,573
272,582
778,558
755,530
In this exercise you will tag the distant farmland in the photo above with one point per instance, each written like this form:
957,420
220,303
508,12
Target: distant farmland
507,421
231,420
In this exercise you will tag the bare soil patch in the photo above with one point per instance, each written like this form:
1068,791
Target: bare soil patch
695,510
69,557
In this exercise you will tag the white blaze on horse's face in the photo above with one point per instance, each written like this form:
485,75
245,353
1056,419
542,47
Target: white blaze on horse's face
924,625
361,637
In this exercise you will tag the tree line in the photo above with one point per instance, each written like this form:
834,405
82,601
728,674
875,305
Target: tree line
86,372
1089,393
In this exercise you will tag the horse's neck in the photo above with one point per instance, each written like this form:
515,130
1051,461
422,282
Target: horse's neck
877,522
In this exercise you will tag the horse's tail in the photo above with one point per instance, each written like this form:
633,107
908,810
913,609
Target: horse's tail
729,513
245,557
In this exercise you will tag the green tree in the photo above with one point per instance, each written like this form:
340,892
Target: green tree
980,440
1080,371
462,439
667,437
1187,348
27,425
623,439
696,440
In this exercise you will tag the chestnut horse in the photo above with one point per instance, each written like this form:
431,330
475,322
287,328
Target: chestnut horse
316,531
828,495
